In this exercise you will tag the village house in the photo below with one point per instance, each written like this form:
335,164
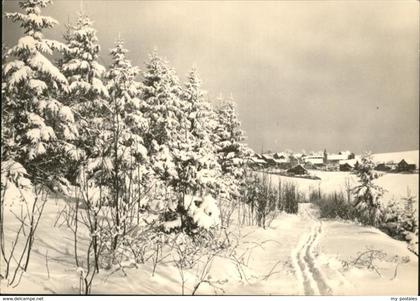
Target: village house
297,170
396,162
271,162
267,157
281,156
282,163
259,156
345,167
276,160
343,161
384,167
256,162
403,166
336,158
314,160
352,165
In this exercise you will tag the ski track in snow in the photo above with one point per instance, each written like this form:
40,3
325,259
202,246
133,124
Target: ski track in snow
305,262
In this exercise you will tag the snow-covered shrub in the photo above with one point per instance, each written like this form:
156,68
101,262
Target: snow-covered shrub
413,241
263,200
172,221
400,220
23,203
194,214
203,210
91,213
333,205
14,177
291,198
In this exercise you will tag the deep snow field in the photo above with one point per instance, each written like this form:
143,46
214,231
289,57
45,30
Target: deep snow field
295,255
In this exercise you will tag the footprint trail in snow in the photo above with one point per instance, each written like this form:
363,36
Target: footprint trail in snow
305,262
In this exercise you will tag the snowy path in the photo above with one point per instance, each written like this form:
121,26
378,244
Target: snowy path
305,261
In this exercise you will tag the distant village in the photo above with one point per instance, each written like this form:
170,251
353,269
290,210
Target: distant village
345,161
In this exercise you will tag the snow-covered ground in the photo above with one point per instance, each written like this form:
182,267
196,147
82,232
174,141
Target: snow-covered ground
396,185
297,254
394,269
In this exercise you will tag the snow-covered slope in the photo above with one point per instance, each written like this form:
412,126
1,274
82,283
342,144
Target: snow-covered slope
409,156
295,255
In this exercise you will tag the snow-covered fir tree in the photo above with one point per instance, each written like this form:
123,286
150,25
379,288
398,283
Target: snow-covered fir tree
127,126
164,110
177,140
38,123
4,54
196,161
197,164
87,93
5,130
232,152
127,121
88,165
367,194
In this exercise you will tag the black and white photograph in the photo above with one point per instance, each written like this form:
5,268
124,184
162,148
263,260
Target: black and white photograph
235,148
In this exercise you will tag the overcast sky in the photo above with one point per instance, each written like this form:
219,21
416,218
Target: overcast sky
306,75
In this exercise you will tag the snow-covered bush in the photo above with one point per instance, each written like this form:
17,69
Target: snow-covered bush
333,205
263,200
194,214
23,204
400,220
91,212
203,211
291,198
14,177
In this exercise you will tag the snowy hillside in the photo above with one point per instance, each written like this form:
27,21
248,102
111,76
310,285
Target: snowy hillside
409,156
